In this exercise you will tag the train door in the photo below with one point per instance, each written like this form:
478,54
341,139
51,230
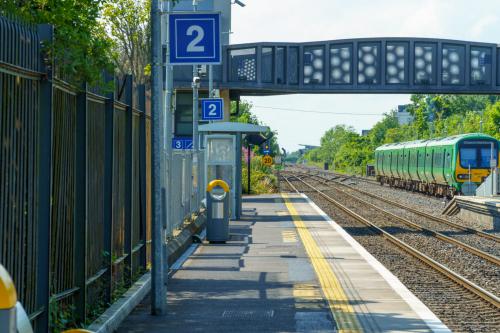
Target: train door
406,169
378,165
440,166
429,152
448,171
420,164
437,169
394,163
400,167
413,164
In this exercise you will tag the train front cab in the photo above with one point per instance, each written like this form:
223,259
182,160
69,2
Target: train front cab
475,155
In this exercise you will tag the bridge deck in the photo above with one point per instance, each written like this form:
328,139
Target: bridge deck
287,268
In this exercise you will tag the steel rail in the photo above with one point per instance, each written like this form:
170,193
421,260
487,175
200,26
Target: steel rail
486,256
417,212
290,184
484,294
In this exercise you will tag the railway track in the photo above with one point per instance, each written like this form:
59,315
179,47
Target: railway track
448,293
456,226
342,177
476,265
482,244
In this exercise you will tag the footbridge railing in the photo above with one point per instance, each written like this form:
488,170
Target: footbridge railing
369,65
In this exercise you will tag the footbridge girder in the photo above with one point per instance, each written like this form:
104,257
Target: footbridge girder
369,65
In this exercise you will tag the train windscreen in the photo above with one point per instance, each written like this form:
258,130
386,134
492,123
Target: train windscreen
477,154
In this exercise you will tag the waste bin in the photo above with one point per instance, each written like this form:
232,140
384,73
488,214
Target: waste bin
218,211
8,300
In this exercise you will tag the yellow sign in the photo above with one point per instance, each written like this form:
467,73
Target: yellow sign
267,160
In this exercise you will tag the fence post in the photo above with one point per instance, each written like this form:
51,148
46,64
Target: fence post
81,160
108,186
45,33
141,92
128,177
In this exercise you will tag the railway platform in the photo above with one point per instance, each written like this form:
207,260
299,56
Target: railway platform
287,268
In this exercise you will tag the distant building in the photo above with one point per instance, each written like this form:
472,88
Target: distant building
404,117
365,132
306,148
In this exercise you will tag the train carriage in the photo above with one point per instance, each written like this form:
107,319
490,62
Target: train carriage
437,166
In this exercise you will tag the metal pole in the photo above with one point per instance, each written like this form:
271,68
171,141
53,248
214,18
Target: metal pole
210,81
195,112
195,86
492,170
248,168
167,121
158,296
168,135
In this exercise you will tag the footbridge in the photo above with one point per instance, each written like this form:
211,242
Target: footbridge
367,65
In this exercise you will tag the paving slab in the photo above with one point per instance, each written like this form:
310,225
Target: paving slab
260,281
287,268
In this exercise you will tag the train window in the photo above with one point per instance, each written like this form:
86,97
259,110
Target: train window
468,157
477,154
485,155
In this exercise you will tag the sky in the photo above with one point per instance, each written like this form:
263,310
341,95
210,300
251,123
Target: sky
317,20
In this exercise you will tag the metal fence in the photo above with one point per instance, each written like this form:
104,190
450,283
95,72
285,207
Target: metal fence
187,181
74,184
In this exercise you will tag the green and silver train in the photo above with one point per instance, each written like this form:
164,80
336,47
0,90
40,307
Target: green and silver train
437,166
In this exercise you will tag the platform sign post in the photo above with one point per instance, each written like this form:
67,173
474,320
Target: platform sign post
195,39
212,109
158,205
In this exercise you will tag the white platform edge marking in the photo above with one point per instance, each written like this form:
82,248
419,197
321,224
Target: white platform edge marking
431,320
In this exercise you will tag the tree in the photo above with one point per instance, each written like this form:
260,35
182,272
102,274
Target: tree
246,116
333,139
378,132
492,120
81,47
127,22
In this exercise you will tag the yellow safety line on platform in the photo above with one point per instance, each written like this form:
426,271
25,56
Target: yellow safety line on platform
342,311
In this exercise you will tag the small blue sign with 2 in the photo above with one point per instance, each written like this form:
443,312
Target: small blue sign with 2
212,109
195,38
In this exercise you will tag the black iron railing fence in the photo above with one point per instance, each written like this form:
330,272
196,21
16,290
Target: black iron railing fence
74,184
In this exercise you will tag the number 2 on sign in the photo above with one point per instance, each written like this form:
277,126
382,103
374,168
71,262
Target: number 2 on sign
212,110
193,45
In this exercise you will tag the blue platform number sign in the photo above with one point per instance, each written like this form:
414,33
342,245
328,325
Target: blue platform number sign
182,143
195,38
212,109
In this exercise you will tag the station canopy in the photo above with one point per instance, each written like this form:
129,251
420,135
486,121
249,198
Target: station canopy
254,134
